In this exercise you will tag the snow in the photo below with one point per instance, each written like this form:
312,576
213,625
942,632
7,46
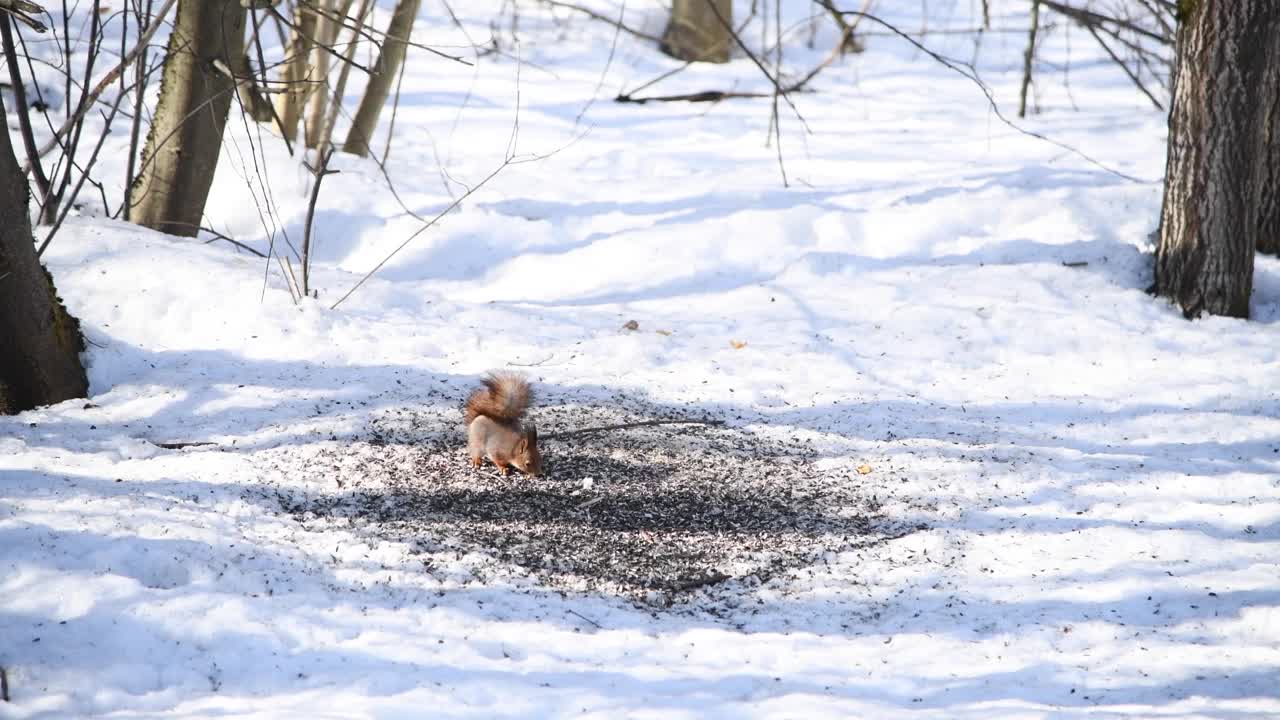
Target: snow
954,304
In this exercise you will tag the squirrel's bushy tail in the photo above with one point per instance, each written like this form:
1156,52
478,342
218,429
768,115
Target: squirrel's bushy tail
504,397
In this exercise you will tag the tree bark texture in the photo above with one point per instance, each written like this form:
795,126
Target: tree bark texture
185,139
699,30
1266,184
379,87
1221,178
40,341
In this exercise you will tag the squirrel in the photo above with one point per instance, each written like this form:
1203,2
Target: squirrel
496,427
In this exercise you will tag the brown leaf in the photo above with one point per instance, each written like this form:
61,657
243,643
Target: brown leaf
864,469
738,344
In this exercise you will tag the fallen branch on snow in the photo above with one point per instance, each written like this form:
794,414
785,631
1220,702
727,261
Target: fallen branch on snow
627,426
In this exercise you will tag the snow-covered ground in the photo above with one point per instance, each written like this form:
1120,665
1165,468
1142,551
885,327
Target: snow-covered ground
953,304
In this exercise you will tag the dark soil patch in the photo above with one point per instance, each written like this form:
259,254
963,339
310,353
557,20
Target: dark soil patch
649,512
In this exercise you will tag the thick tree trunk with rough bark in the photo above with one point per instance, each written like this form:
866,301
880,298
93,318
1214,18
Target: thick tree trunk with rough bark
182,147
379,87
699,30
1266,183
1221,177
40,341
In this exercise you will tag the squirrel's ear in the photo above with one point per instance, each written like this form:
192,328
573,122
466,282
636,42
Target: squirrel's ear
532,433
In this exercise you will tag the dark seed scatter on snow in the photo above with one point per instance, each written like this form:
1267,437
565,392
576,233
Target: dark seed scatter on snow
667,509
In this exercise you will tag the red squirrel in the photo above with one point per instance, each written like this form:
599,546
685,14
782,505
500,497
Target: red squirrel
496,427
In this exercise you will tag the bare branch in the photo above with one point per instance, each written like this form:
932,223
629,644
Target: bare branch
605,19
110,77
971,75
21,10
1089,17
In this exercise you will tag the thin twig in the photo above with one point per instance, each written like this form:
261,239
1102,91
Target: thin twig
775,120
84,175
613,48
971,75
1133,77
1087,17
216,236
262,65
110,77
508,159
605,19
316,44
49,205
395,108
717,95
340,88
142,77
421,230
627,426
728,27
584,617
371,33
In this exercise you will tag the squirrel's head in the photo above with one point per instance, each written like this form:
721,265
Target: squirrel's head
526,457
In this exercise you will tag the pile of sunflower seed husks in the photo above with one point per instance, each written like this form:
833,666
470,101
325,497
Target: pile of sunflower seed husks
656,510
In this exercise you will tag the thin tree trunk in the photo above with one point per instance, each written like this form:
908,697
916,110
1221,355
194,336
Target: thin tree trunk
1028,58
182,147
327,34
388,66
295,75
40,342
325,139
695,33
1225,86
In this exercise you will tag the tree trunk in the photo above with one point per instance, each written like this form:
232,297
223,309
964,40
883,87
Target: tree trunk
324,140
1226,87
1266,183
375,94
296,73
40,341
182,147
699,30
326,36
